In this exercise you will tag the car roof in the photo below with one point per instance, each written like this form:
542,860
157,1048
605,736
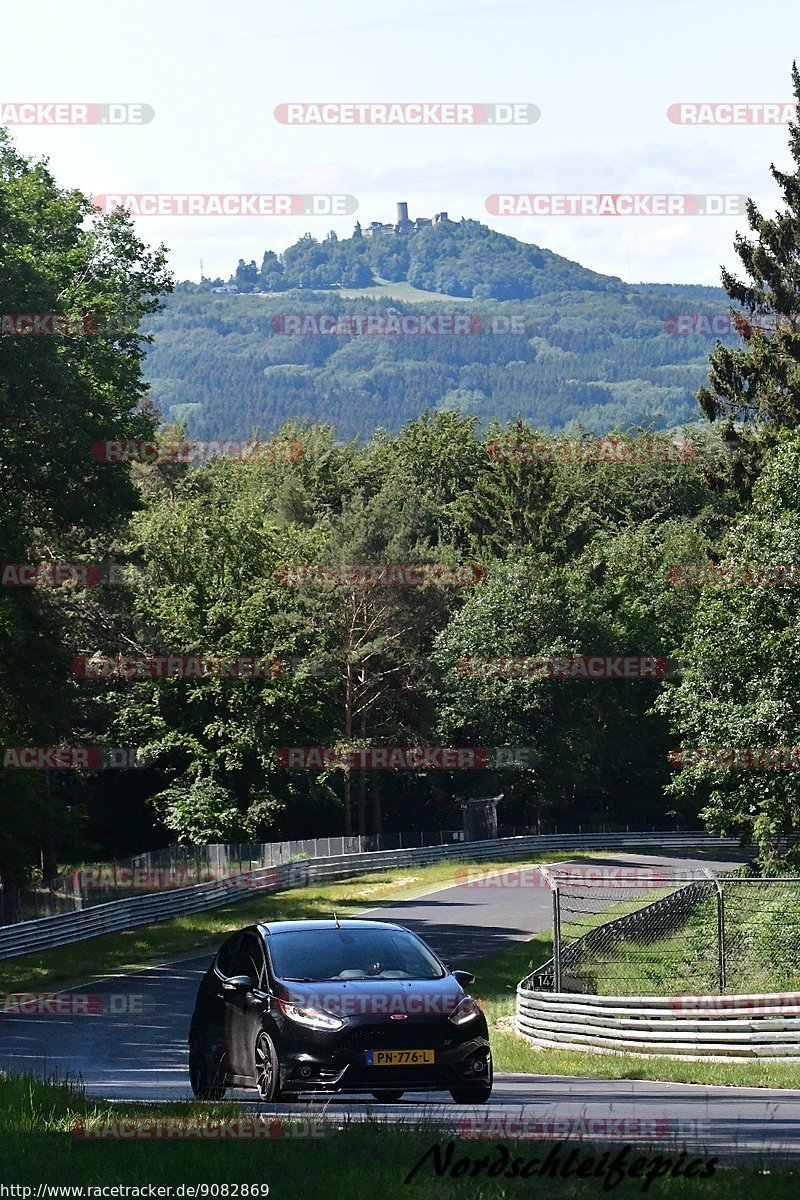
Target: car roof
269,927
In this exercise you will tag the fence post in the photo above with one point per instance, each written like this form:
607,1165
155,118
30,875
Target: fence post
720,929
556,928
721,934
556,940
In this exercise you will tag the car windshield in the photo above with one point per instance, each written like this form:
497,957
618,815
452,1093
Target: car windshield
314,955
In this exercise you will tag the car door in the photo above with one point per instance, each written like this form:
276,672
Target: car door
213,1014
244,1006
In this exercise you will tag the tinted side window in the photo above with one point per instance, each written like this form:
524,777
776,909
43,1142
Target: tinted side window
249,959
226,957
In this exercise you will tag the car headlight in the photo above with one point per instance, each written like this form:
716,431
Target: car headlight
466,1010
312,1018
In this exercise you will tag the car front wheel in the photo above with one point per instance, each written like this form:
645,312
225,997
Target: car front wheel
267,1068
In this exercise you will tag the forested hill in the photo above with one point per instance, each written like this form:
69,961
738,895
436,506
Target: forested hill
464,259
572,347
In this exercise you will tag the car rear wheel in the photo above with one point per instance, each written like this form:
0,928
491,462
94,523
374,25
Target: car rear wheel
205,1076
388,1096
267,1068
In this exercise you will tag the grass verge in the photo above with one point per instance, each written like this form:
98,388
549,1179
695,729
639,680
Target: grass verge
370,1160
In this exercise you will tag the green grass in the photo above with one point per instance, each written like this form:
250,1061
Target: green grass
385,289
369,1161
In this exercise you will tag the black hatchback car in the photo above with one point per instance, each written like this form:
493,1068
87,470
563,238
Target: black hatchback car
336,1006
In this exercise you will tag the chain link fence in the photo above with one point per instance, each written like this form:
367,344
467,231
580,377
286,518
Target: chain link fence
633,931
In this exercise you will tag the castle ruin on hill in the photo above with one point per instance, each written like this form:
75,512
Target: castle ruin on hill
403,224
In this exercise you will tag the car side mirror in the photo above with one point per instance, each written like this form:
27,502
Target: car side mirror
464,978
239,983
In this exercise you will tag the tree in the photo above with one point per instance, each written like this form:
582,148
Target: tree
596,740
246,276
58,396
740,689
211,549
271,274
754,390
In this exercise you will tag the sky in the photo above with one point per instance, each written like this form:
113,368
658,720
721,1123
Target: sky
602,74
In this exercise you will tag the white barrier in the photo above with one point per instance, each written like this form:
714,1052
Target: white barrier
27,937
734,1028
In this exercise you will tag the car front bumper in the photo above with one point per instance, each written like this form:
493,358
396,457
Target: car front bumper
311,1070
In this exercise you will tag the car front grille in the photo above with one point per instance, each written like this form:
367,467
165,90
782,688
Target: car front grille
399,1035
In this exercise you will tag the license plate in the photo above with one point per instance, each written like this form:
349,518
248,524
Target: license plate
399,1058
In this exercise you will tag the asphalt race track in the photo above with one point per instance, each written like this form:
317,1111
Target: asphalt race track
135,1047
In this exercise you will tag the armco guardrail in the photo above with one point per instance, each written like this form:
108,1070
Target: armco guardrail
713,1027
26,937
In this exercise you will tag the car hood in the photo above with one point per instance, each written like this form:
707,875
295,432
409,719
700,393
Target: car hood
401,998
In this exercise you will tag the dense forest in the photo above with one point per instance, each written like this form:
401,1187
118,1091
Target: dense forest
600,358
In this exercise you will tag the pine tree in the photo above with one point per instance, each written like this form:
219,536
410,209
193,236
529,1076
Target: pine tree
754,389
